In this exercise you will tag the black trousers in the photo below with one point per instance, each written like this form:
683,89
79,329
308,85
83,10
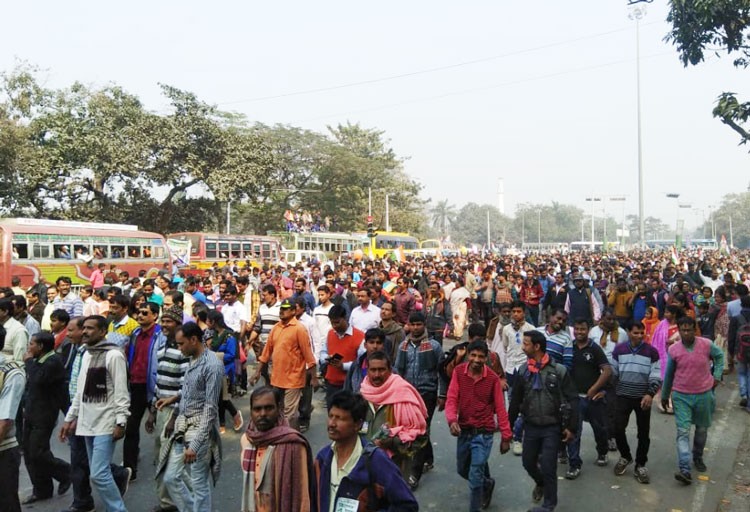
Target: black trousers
305,402
624,406
40,463
486,312
425,455
138,407
10,460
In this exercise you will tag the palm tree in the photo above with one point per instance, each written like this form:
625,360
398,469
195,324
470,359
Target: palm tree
443,215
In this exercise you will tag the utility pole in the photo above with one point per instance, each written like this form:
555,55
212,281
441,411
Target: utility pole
539,238
387,215
229,205
636,14
369,201
489,243
523,227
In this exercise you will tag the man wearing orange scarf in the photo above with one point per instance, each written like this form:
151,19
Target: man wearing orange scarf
397,416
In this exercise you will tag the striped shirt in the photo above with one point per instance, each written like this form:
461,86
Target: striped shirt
71,303
559,346
170,368
199,396
268,316
11,392
637,369
75,370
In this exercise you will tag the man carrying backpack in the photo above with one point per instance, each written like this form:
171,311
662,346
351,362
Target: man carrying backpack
739,347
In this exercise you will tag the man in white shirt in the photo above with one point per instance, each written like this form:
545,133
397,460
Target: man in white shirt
305,403
234,312
367,315
508,343
320,315
100,409
16,335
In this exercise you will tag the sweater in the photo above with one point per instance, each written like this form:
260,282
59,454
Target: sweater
637,370
347,347
689,370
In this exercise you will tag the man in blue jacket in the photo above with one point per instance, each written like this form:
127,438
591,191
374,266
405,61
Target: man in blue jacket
367,479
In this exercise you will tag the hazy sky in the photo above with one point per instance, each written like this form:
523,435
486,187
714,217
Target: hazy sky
550,106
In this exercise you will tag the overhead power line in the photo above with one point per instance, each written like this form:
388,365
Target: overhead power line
431,70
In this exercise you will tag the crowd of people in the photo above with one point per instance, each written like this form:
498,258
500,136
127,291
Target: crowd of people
528,346
304,221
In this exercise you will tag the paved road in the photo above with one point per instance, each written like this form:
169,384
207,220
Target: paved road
442,489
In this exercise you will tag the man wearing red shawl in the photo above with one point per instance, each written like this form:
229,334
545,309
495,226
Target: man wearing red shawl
277,463
397,416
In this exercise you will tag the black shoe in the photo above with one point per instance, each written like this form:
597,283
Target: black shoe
124,482
743,402
159,508
33,499
304,427
63,487
489,488
538,493
428,466
699,464
133,475
612,445
74,509
684,477
573,473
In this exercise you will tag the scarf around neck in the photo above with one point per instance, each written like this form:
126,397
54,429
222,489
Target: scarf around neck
535,367
95,388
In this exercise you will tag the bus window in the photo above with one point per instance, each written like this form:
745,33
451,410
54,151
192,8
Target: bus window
236,251
81,251
247,250
211,250
256,250
101,252
20,251
62,251
223,250
134,251
118,251
266,250
157,252
41,251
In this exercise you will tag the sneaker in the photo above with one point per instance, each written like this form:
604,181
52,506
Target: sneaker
429,466
684,477
621,466
743,402
517,447
538,493
563,457
124,482
641,474
602,460
489,488
238,421
304,427
63,487
132,474
413,482
222,430
699,464
75,509
573,473
612,445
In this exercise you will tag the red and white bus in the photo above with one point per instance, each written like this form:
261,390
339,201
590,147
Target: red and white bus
32,248
209,248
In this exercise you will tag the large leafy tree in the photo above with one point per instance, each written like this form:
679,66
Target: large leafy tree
701,27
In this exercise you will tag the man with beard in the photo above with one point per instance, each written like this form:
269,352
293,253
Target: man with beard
277,466
100,408
418,361
396,417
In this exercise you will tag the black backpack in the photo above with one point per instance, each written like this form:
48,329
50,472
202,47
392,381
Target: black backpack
743,339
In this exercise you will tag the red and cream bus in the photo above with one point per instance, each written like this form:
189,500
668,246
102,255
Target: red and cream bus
209,248
32,248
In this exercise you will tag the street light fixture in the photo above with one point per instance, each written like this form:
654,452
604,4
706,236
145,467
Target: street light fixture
593,200
637,12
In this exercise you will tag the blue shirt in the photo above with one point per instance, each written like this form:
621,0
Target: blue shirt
199,296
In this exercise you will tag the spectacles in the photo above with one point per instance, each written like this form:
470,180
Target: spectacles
144,312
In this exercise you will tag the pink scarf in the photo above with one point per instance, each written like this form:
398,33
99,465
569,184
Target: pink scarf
409,410
659,342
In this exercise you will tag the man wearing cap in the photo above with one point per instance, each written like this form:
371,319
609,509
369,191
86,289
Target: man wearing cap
288,348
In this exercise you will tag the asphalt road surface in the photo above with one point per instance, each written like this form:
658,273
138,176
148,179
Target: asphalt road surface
442,489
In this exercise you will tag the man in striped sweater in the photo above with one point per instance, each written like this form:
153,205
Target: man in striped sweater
636,364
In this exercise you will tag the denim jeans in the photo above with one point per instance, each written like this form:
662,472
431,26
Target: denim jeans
100,449
743,376
540,447
518,425
595,412
683,446
200,479
472,453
